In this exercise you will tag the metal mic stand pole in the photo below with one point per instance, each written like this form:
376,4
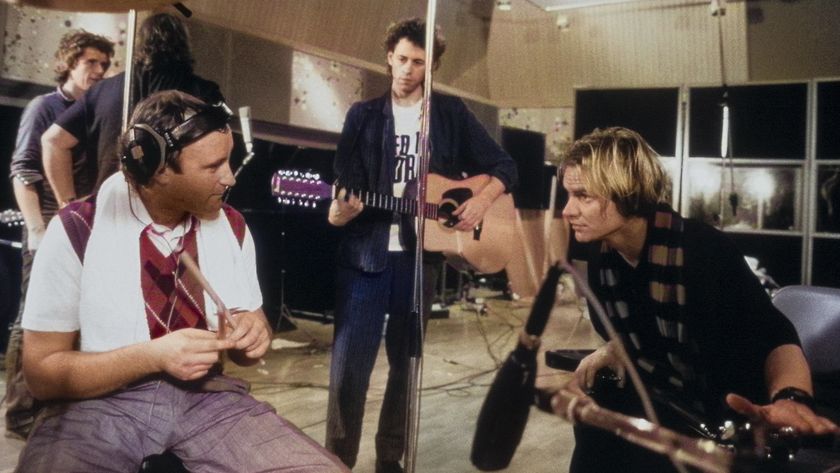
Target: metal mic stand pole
284,318
415,353
128,76
702,454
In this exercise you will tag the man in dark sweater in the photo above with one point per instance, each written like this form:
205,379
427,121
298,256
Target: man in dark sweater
163,61
82,59
693,318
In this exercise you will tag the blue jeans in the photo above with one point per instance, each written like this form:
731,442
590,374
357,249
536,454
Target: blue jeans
362,301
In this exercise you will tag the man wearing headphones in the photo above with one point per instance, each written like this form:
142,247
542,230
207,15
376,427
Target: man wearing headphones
146,376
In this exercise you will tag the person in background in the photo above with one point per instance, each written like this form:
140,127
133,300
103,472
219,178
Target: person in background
378,152
163,61
82,59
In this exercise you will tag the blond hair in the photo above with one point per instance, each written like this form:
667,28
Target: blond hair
618,164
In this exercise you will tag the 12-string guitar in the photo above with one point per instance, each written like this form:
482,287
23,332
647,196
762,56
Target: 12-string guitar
11,218
487,249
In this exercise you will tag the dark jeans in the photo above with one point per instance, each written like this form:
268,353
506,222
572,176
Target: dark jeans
362,301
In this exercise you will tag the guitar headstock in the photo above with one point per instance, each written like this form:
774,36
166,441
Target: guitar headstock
12,218
302,188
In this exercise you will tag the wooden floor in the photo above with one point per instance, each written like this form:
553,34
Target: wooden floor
462,353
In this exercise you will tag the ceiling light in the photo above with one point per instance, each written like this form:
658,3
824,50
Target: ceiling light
503,5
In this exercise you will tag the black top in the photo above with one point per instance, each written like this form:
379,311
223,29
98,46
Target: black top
96,118
728,314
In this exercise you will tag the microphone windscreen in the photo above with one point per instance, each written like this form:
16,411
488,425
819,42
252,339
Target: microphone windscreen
544,302
504,413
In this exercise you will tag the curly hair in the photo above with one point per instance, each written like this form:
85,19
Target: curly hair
414,30
163,42
618,164
72,47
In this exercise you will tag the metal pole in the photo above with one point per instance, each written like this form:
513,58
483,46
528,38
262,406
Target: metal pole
415,361
131,28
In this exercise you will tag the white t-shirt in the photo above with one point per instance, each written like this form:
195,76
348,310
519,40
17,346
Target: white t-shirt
407,141
54,301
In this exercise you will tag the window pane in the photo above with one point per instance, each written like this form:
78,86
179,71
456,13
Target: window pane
828,199
768,196
826,270
780,255
828,120
766,121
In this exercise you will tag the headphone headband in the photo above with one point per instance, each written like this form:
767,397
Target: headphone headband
211,118
145,157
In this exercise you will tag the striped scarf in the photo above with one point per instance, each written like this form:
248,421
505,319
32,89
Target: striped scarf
665,261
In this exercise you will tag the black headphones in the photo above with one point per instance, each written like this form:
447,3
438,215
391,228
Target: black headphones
148,148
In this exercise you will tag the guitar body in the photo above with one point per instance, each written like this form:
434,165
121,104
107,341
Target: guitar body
487,250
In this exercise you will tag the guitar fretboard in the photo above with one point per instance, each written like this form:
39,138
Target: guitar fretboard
402,205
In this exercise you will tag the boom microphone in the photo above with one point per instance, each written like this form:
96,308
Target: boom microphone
504,413
245,124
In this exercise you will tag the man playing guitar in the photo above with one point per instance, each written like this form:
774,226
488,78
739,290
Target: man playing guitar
378,152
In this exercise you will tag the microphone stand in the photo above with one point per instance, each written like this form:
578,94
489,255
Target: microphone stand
702,454
128,77
247,138
415,336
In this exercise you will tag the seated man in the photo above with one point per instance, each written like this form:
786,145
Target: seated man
692,316
109,279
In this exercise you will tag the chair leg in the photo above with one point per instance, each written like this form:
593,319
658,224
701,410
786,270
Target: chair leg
166,462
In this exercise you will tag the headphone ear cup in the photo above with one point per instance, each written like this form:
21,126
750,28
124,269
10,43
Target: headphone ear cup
144,153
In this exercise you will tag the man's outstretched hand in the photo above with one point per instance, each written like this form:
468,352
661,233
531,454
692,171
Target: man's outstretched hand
784,413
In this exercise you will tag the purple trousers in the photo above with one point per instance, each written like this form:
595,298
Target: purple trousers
225,431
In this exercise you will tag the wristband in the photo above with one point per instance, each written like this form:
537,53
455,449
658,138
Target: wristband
795,395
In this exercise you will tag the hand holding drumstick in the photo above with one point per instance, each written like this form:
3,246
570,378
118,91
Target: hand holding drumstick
249,331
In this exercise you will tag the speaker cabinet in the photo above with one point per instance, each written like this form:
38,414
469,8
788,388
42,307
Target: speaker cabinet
528,150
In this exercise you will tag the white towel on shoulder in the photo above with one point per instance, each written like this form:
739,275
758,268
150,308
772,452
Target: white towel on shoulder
112,311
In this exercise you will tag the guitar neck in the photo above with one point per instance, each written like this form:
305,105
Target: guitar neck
401,205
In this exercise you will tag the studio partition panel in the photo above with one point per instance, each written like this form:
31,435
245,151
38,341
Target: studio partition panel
295,244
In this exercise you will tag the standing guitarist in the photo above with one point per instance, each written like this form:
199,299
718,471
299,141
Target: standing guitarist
378,152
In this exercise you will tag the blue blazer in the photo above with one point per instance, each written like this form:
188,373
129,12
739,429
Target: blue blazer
460,146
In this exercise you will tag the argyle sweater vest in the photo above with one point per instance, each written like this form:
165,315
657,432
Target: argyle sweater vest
172,300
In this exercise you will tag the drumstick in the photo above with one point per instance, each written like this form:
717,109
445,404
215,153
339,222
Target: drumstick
221,309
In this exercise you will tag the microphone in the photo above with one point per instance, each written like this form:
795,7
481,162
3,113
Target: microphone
504,413
725,152
245,124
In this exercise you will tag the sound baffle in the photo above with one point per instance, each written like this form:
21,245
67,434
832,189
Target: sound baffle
295,245
528,150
